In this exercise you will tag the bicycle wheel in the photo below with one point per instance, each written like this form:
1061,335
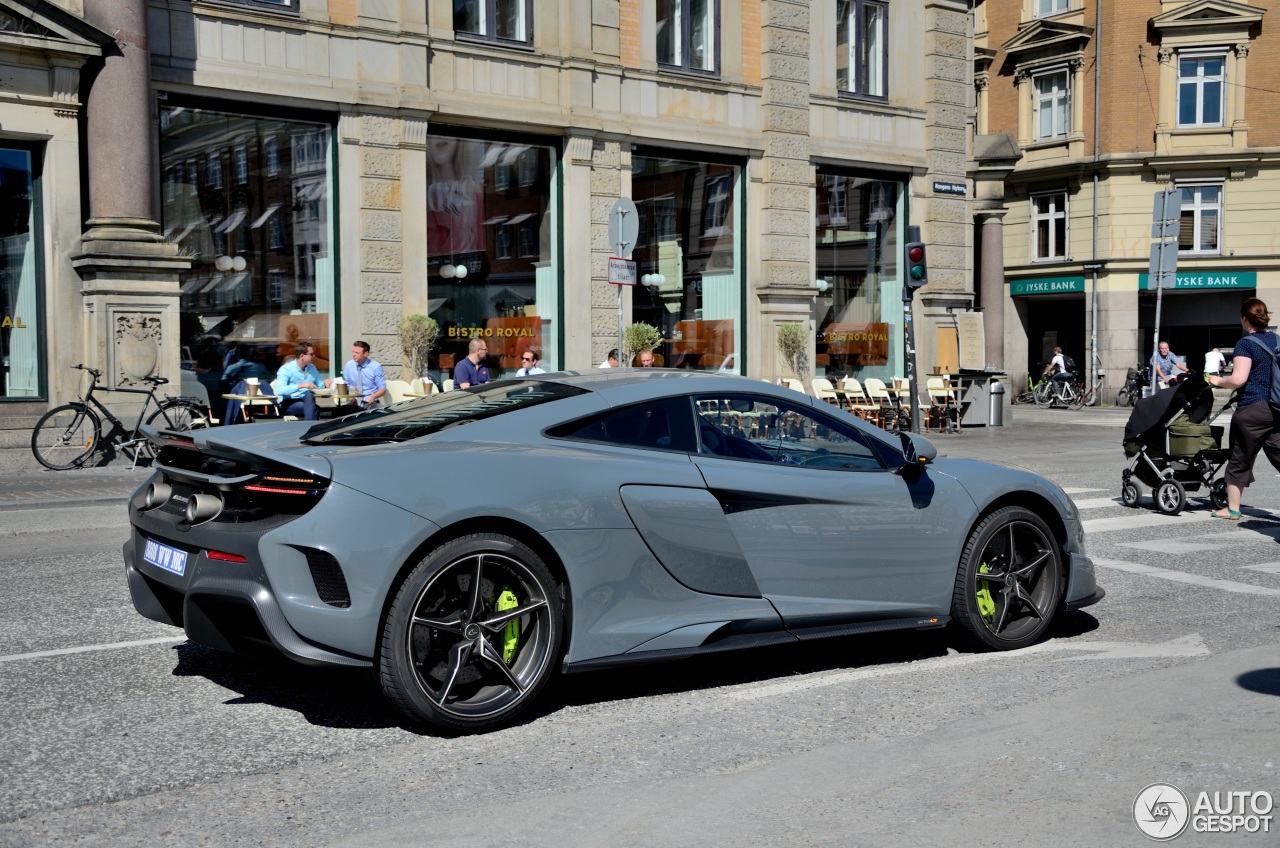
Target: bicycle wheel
1075,398
180,415
1045,395
65,436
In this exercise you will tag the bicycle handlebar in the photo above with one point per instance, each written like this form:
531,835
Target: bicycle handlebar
94,371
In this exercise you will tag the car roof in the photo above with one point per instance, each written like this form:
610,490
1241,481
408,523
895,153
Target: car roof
624,385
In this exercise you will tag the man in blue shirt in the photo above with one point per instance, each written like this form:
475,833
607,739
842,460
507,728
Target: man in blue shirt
295,380
529,363
364,376
470,372
1167,366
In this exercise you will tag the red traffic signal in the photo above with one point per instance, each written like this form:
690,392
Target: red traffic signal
917,269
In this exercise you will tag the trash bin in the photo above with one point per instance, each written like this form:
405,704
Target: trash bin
997,403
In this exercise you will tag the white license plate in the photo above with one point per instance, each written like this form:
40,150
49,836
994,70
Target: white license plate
163,556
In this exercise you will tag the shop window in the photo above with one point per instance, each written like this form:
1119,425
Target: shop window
862,58
1201,82
1049,225
1200,227
1052,105
1045,8
691,256
508,21
858,237
688,34
492,261
229,296
21,280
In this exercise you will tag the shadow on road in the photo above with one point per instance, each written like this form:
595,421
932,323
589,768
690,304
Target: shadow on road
1265,681
349,699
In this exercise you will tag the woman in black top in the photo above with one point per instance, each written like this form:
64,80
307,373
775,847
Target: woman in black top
1255,425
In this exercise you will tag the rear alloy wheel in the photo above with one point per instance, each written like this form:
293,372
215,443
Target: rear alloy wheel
1170,497
1130,494
473,634
1010,580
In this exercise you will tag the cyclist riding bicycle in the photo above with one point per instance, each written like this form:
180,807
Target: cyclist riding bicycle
1062,368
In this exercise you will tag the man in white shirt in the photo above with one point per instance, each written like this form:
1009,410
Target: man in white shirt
529,363
1213,361
610,361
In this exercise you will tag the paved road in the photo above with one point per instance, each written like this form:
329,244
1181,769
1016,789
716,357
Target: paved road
115,731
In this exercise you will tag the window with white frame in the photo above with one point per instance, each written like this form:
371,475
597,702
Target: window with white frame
1052,104
193,179
271,152
1200,228
275,231
275,284
1045,8
688,35
1202,77
861,56
502,241
528,167
494,20
213,170
242,164
719,197
528,239
1049,225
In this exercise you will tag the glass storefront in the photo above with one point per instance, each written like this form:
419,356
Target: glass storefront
19,276
493,251
689,259
858,234
249,200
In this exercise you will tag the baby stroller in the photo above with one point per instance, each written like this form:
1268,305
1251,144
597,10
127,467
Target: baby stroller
1174,450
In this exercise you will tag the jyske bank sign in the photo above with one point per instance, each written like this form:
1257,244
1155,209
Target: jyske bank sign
1206,280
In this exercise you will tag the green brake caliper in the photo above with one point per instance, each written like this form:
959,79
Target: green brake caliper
986,604
511,635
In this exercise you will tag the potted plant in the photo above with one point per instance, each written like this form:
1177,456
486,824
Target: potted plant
793,344
638,337
418,334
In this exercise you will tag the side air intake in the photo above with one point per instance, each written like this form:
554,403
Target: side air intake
331,584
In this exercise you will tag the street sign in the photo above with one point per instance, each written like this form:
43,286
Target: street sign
1168,205
624,227
622,272
1164,263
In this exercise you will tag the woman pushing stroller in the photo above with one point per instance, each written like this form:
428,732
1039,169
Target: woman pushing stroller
1254,426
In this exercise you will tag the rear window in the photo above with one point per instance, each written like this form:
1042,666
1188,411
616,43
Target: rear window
416,418
665,424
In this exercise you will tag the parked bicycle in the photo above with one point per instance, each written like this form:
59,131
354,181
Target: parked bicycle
68,435
1029,396
1066,392
1136,380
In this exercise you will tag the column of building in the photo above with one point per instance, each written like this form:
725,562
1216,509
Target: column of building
129,273
607,184
785,195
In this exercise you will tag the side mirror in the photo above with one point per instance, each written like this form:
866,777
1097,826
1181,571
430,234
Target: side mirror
917,450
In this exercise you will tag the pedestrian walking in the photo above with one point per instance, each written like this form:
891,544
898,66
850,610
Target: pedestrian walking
1255,425
1213,361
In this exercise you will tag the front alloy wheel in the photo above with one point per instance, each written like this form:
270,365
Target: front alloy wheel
473,634
1010,580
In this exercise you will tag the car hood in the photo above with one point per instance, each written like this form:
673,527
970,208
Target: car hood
985,482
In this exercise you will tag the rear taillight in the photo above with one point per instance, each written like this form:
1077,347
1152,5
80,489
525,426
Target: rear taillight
226,557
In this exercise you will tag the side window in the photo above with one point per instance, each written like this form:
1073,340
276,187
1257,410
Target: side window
763,429
663,425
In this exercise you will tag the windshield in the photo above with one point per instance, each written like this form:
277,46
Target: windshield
416,418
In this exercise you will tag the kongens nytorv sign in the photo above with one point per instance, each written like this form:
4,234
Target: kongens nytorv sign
1185,280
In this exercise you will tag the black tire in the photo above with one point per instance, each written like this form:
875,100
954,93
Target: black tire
442,658
1218,494
66,436
1130,494
180,415
1045,395
1170,497
1123,398
1012,603
1025,397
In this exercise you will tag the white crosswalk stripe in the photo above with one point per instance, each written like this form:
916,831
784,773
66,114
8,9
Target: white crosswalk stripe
1143,518
1184,577
1096,503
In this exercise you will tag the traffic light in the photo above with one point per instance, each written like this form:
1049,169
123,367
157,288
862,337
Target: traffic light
917,269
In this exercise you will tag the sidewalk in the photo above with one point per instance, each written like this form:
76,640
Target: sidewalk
1034,439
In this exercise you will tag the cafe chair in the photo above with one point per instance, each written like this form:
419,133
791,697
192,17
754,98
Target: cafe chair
942,404
448,385
824,390
793,383
878,392
242,411
397,390
859,403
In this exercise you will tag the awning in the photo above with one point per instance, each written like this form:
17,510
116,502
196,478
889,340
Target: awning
234,280
234,221
262,219
518,218
496,219
192,284
212,284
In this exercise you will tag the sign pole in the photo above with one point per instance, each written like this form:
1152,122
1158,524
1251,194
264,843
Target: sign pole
624,228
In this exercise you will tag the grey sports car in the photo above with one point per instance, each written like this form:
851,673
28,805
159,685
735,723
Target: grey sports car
468,546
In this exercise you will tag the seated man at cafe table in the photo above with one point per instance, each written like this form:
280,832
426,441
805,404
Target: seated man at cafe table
295,381
365,376
472,371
